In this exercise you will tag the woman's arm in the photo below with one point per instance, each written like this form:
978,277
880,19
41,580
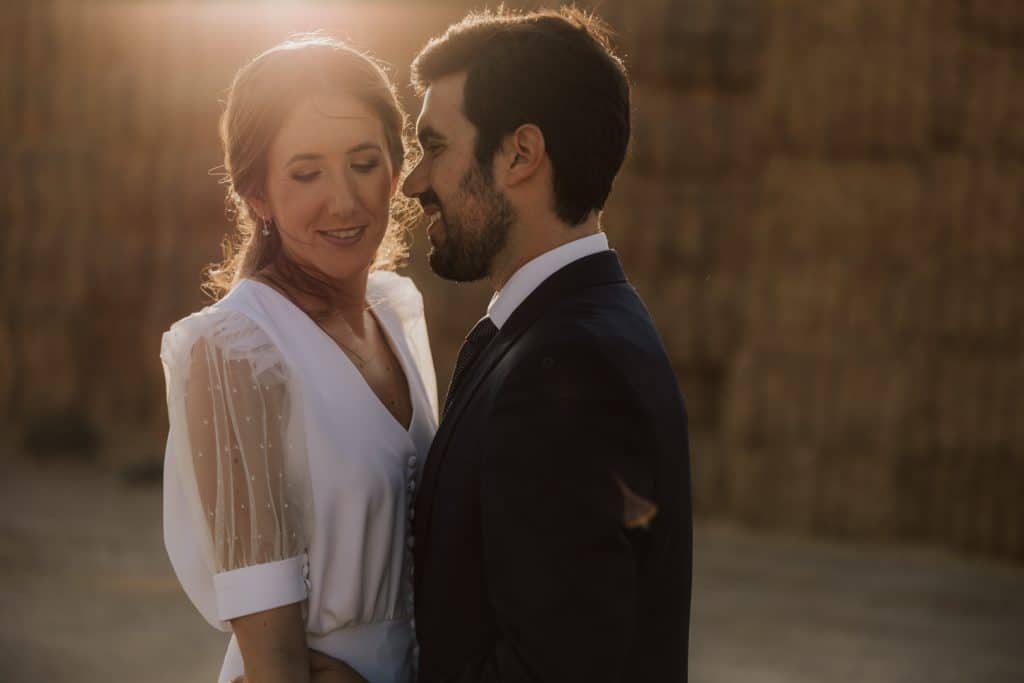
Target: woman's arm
273,645
327,669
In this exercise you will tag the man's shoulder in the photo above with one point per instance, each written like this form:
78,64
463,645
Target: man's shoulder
602,315
600,330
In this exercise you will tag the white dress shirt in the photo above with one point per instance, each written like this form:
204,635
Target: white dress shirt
522,283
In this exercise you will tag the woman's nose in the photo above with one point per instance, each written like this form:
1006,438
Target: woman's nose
343,200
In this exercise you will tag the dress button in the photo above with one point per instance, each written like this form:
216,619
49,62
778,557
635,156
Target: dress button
412,486
412,461
410,542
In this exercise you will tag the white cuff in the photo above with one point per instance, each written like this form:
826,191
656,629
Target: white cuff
261,587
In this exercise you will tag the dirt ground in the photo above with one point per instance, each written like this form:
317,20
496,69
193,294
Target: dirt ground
88,596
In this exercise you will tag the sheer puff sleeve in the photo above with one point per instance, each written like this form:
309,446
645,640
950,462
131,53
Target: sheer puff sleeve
237,492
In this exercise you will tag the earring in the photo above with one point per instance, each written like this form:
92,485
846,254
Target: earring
266,227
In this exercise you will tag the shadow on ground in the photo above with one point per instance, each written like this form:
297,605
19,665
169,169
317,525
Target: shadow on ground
88,596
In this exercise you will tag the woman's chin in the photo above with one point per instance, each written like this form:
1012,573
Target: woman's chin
342,263
347,266
346,272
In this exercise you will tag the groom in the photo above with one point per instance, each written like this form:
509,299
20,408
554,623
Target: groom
552,524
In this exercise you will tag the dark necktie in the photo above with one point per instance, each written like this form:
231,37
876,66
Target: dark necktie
477,339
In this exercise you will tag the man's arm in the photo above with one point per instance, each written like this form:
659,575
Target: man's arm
559,567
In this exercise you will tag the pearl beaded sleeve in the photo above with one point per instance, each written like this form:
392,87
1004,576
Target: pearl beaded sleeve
239,453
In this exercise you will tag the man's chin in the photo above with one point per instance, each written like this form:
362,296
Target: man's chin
448,269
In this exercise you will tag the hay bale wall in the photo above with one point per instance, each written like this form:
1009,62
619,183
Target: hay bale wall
836,195
823,207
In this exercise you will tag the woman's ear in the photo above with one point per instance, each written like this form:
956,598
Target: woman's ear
260,206
523,153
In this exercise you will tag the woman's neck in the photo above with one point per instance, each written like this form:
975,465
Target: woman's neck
347,297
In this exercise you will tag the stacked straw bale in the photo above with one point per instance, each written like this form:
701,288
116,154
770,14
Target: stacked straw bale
823,207
828,224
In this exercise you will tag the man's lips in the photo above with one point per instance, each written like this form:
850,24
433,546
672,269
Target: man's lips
432,216
433,220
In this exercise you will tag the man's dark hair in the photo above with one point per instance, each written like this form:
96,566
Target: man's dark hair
554,69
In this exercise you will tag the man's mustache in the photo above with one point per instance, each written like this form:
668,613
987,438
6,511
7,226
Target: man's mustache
427,199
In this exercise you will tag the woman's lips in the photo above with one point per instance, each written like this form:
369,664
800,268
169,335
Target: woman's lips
345,237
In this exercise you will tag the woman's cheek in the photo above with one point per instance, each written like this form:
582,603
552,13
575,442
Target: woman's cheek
304,203
379,195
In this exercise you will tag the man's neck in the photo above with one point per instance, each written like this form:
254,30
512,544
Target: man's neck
534,240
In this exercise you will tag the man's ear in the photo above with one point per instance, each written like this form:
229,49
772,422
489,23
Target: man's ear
522,154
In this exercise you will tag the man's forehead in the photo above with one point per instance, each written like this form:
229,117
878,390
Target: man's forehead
442,103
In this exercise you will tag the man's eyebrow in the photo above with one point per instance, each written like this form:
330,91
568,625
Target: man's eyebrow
427,134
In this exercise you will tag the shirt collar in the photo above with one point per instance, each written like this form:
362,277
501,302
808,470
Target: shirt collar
522,283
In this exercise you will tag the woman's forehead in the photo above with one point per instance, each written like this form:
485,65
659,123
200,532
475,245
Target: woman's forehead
323,122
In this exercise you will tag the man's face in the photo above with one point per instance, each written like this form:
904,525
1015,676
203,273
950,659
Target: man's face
468,218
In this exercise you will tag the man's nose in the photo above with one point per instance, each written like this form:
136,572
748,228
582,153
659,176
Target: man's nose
415,183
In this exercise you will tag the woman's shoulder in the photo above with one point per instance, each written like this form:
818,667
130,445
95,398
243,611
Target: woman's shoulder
397,292
225,326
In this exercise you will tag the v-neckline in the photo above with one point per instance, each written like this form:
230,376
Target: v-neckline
389,339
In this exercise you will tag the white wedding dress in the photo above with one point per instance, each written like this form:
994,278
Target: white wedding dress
287,480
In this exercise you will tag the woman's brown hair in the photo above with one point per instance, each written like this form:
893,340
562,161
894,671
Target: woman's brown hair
260,97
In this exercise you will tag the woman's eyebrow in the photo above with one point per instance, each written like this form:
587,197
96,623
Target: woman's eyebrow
305,156
310,156
363,146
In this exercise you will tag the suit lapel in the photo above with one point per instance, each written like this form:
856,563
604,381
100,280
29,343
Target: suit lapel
598,269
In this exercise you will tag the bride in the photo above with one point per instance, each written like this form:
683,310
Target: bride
303,402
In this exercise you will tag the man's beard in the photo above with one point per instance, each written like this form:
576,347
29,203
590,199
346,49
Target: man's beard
473,238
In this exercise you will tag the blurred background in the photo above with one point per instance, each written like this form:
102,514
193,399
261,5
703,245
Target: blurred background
823,207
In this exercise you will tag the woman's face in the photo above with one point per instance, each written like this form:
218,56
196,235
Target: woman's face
329,184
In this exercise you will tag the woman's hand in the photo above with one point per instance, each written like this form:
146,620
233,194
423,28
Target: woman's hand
326,669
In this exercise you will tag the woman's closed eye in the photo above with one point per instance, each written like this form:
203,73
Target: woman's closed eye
359,167
306,177
365,166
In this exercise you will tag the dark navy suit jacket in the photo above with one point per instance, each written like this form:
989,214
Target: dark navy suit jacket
525,568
